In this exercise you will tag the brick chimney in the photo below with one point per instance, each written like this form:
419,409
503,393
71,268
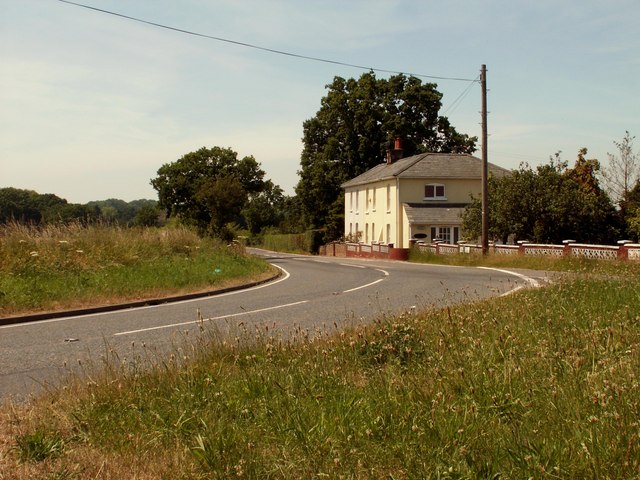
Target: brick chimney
394,154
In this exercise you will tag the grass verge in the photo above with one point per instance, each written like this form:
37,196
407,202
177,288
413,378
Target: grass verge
540,384
63,267
533,262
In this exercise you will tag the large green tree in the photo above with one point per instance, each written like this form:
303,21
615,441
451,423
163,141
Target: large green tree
208,188
547,205
266,209
351,132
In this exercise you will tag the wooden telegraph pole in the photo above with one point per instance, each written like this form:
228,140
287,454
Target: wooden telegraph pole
485,164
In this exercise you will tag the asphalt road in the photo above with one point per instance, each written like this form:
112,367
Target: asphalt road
314,294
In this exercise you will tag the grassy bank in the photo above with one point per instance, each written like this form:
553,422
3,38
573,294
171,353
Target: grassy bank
541,384
61,267
533,262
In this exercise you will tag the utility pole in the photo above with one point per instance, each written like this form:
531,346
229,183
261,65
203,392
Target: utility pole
485,165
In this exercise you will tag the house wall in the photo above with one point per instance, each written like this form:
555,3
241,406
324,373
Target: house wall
413,191
374,213
373,210
456,190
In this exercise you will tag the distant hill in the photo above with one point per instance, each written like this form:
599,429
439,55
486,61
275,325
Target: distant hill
28,206
124,213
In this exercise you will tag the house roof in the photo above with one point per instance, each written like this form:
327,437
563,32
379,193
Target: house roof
428,165
434,214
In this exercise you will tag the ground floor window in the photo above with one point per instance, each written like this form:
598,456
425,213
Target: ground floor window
445,234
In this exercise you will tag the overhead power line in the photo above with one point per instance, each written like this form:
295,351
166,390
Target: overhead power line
456,102
258,47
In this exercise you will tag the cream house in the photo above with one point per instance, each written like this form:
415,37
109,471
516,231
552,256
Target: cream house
415,198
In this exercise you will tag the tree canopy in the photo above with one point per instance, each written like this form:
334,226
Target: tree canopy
351,132
209,188
28,206
547,205
266,209
136,212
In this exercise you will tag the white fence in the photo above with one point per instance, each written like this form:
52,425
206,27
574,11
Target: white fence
624,250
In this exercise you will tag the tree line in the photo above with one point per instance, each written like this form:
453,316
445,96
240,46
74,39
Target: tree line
212,188
27,206
587,202
219,194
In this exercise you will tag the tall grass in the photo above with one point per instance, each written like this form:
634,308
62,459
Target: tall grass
541,384
74,265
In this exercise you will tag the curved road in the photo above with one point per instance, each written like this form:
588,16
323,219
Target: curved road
314,293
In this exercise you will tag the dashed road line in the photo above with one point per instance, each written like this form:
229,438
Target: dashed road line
221,317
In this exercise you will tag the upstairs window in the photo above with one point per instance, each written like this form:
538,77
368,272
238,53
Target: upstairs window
434,191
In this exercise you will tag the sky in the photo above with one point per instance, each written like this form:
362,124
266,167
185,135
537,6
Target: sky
92,104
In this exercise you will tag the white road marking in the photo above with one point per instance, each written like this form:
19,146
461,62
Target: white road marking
275,307
386,274
511,292
363,286
221,317
531,281
128,310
